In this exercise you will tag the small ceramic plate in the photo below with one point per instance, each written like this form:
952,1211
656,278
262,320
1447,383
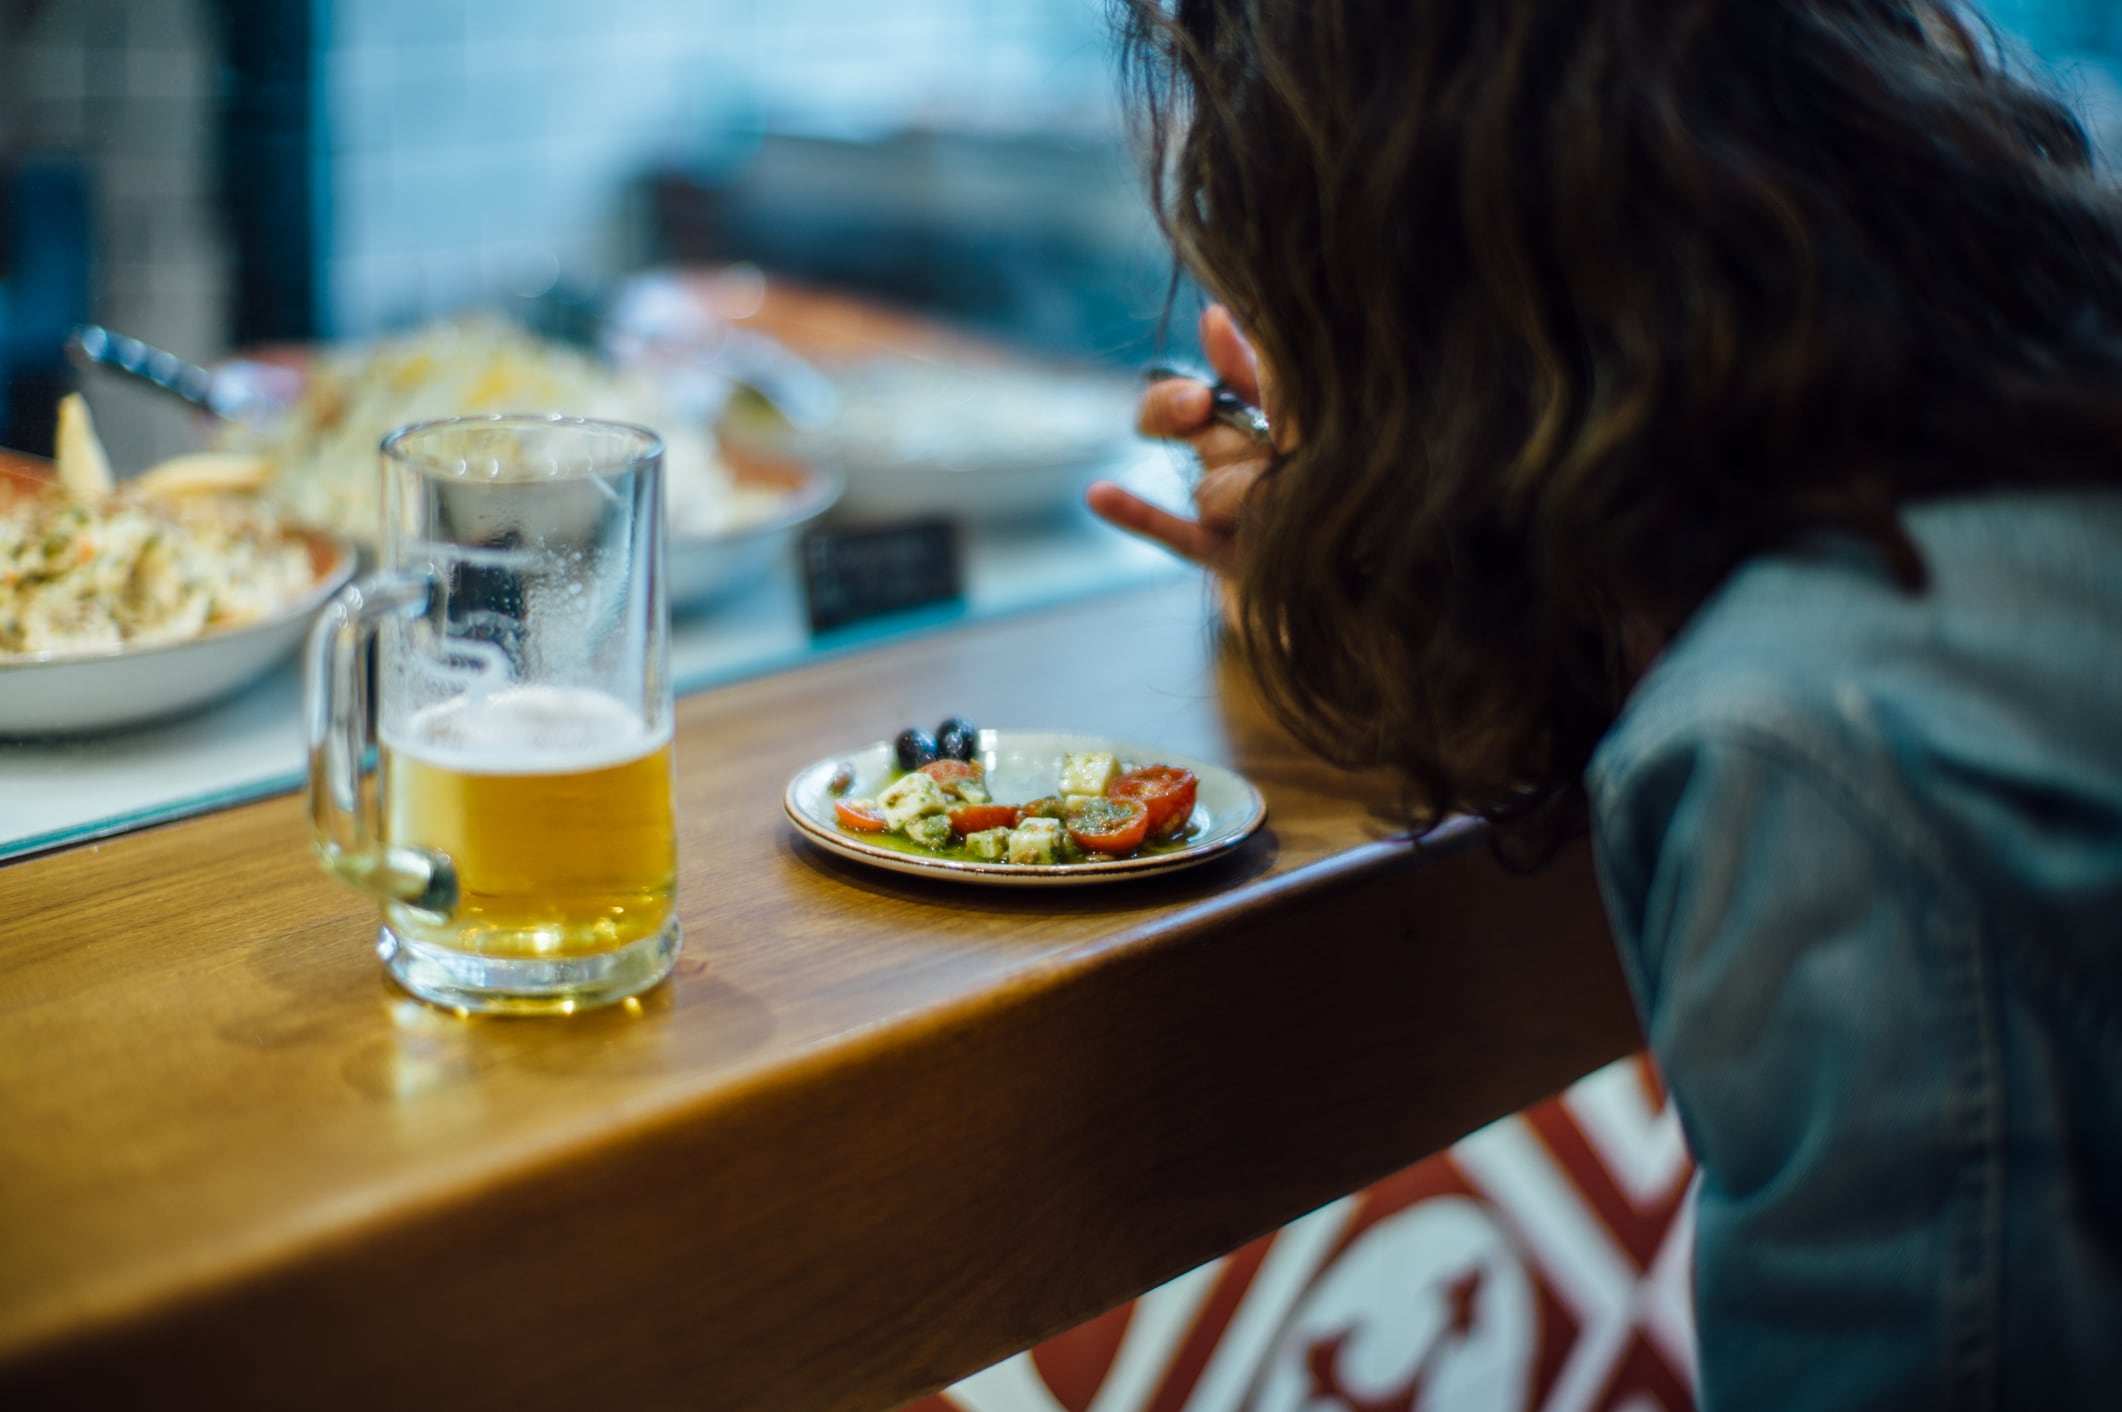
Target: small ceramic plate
1024,765
97,691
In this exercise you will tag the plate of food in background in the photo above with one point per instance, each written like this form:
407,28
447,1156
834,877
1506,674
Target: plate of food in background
122,604
731,514
992,440
919,419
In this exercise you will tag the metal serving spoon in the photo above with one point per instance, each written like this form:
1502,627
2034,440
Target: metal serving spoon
236,391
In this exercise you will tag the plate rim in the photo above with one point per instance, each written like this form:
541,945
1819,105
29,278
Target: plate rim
822,488
1046,874
1087,457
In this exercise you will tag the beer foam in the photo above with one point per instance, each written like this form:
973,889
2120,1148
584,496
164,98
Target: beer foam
527,730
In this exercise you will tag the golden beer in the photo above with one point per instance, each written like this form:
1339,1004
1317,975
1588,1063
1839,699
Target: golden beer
553,805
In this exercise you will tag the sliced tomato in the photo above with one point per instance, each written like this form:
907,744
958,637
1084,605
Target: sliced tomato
1108,825
1166,790
1047,808
861,815
978,818
945,771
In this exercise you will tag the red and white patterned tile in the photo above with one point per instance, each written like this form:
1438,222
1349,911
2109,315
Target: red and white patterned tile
1538,1266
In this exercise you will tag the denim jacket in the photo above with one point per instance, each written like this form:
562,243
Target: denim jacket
1862,849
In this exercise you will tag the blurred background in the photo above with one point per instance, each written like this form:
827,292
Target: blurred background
213,174
210,174
221,175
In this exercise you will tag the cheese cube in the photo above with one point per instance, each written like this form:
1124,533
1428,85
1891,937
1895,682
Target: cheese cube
931,830
1087,771
911,797
1034,841
988,845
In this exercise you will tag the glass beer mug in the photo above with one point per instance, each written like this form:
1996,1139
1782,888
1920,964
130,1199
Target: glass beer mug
511,657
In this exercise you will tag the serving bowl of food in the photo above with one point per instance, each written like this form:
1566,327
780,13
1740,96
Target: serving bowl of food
122,605
730,513
705,567
992,439
920,419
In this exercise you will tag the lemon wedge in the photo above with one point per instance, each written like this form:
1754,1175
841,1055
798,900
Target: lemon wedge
83,469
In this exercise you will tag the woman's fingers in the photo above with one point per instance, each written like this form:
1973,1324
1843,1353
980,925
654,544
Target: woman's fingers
1240,367
1221,446
1208,539
1230,354
1189,539
1219,496
1173,408
1177,409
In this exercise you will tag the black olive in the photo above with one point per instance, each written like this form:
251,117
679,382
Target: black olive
916,748
958,738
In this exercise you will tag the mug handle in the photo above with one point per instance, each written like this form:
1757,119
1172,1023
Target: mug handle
338,725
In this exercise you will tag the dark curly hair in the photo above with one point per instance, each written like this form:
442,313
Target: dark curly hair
1576,304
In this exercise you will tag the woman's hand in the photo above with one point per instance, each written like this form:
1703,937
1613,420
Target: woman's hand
1177,409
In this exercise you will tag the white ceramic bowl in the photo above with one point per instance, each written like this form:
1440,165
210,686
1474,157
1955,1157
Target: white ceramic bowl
1002,440
126,686
1003,491
705,567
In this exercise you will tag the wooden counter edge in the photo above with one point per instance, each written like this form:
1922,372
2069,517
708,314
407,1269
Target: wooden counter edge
940,1192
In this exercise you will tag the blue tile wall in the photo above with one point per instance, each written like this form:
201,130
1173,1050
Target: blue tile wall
479,146
122,92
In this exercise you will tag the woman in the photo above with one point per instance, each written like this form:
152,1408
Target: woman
1706,416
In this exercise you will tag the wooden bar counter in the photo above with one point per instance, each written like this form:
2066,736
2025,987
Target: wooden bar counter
875,1134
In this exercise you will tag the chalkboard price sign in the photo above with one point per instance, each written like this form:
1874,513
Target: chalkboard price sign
870,571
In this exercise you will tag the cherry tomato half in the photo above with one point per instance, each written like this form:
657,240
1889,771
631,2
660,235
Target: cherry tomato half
944,771
861,815
1108,825
978,818
1047,808
1166,790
